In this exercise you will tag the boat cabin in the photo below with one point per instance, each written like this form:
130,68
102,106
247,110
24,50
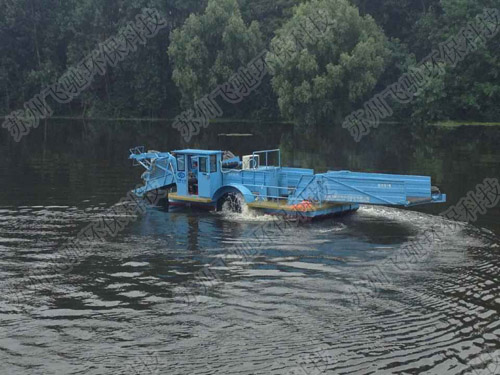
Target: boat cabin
198,172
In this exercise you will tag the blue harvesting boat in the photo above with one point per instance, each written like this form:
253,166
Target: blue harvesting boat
218,179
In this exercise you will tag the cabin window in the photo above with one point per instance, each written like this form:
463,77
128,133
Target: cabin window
213,163
203,165
181,163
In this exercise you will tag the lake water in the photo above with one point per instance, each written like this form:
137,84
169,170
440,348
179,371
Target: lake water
323,297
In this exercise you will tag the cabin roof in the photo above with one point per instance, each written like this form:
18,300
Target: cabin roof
197,152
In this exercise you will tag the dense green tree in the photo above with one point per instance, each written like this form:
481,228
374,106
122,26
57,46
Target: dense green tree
467,91
329,71
29,55
397,17
41,39
400,21
471,89
210,47
140,85
270,14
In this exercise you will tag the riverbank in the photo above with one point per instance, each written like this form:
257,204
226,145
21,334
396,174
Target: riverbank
455,124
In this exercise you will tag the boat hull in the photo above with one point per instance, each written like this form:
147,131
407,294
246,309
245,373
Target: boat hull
300,211
191,201
204,206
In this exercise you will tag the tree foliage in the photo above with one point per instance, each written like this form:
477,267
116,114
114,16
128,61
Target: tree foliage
331,70
41,39
471,88
210,47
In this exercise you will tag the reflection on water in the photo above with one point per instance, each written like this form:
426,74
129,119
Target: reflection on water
302,305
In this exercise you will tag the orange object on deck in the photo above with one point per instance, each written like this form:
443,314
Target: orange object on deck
305,205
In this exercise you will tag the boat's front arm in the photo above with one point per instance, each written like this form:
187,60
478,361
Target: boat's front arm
160,169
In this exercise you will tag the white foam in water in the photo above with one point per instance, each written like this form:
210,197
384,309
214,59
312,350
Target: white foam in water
246,214
336,228
418,220
391,213
136,264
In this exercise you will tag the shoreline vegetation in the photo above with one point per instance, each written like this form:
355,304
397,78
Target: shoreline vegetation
456,124
326,56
